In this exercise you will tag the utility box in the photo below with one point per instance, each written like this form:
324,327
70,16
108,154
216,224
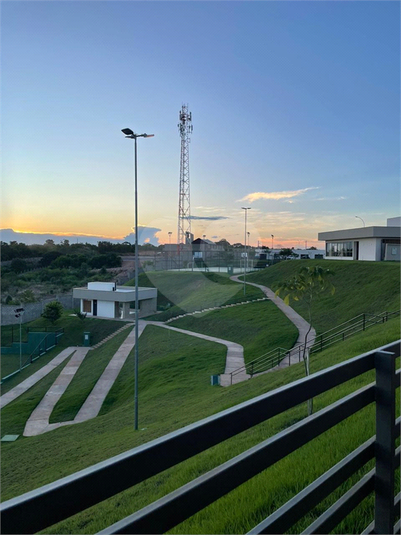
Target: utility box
214,380
230,270
87,339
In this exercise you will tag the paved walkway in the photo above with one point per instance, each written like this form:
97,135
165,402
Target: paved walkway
234,358
35,377
302,325
38,422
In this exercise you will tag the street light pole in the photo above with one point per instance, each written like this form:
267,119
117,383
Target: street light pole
130,134
361,219
245,258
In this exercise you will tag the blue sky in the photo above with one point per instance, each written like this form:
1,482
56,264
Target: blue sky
297,101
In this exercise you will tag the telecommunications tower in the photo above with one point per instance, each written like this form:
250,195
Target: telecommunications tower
184,203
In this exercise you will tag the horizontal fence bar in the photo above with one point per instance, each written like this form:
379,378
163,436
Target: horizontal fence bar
35,510
179,505
288,514
339,510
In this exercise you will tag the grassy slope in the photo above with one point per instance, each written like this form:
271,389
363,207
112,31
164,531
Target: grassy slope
171,399
73,335
187,291
372,287
259,327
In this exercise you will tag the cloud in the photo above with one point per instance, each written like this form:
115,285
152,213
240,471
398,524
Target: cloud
207,218
275,195
147,234
329,199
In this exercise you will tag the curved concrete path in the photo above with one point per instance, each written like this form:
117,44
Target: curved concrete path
302,325
234,358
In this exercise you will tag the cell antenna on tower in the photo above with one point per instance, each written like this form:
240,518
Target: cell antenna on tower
184,203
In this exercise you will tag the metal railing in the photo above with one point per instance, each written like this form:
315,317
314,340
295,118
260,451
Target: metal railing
42,348
43,507
323,341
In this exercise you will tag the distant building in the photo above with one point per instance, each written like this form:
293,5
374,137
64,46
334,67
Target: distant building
299,254
366,243
107,300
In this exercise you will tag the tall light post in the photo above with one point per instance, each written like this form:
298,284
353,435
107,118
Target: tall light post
18,314
130,134
272,241
169,251
246,208
361,219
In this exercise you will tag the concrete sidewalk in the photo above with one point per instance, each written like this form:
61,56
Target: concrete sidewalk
302,325
38,422
234,358
20,389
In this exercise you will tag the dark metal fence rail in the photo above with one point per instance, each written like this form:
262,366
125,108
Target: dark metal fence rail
56,501
323,341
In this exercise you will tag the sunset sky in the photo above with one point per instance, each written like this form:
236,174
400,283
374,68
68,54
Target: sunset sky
295,105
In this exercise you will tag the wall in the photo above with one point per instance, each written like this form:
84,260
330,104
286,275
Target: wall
105,309
34,310
370,249
147,307
390,248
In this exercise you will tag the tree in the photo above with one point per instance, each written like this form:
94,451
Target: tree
53,311
307,286
286,252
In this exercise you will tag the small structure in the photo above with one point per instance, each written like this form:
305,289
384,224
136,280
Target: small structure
107,300
366,243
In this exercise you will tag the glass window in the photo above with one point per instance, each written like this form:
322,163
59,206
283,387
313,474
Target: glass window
341,249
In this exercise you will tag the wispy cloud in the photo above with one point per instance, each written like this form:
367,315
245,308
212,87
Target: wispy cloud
207,218
275,195
329,199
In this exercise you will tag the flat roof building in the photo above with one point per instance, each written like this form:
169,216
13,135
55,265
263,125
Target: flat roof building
107,300
366,243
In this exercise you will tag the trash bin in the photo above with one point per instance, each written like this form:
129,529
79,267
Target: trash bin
214,380
230,270
87,339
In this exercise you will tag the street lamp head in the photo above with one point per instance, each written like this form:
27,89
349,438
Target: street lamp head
127,131
245,207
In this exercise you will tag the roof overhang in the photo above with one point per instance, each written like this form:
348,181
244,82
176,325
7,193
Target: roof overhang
360,233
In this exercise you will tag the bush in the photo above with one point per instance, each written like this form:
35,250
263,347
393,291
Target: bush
53,311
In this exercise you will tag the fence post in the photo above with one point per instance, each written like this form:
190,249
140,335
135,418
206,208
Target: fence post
279,355
289,358
363,328
251,369
321,342
385,442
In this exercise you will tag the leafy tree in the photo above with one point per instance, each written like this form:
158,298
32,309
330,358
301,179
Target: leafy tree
53,311
286,252
27,296
18,265
307,286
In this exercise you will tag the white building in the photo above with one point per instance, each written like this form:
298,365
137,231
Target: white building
366,243
107,300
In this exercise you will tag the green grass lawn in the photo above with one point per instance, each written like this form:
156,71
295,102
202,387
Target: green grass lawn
258,327
175,391
186,291
74,329
371,287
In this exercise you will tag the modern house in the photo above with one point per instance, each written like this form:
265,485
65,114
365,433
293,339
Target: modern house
366,243
107,300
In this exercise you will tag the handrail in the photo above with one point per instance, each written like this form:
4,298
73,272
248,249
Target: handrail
318,344
41,508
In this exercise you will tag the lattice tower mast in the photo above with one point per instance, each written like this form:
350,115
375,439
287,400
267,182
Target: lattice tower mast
184,203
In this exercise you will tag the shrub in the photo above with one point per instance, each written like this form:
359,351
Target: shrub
53,311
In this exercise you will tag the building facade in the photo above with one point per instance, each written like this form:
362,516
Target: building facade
107,300
366,243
